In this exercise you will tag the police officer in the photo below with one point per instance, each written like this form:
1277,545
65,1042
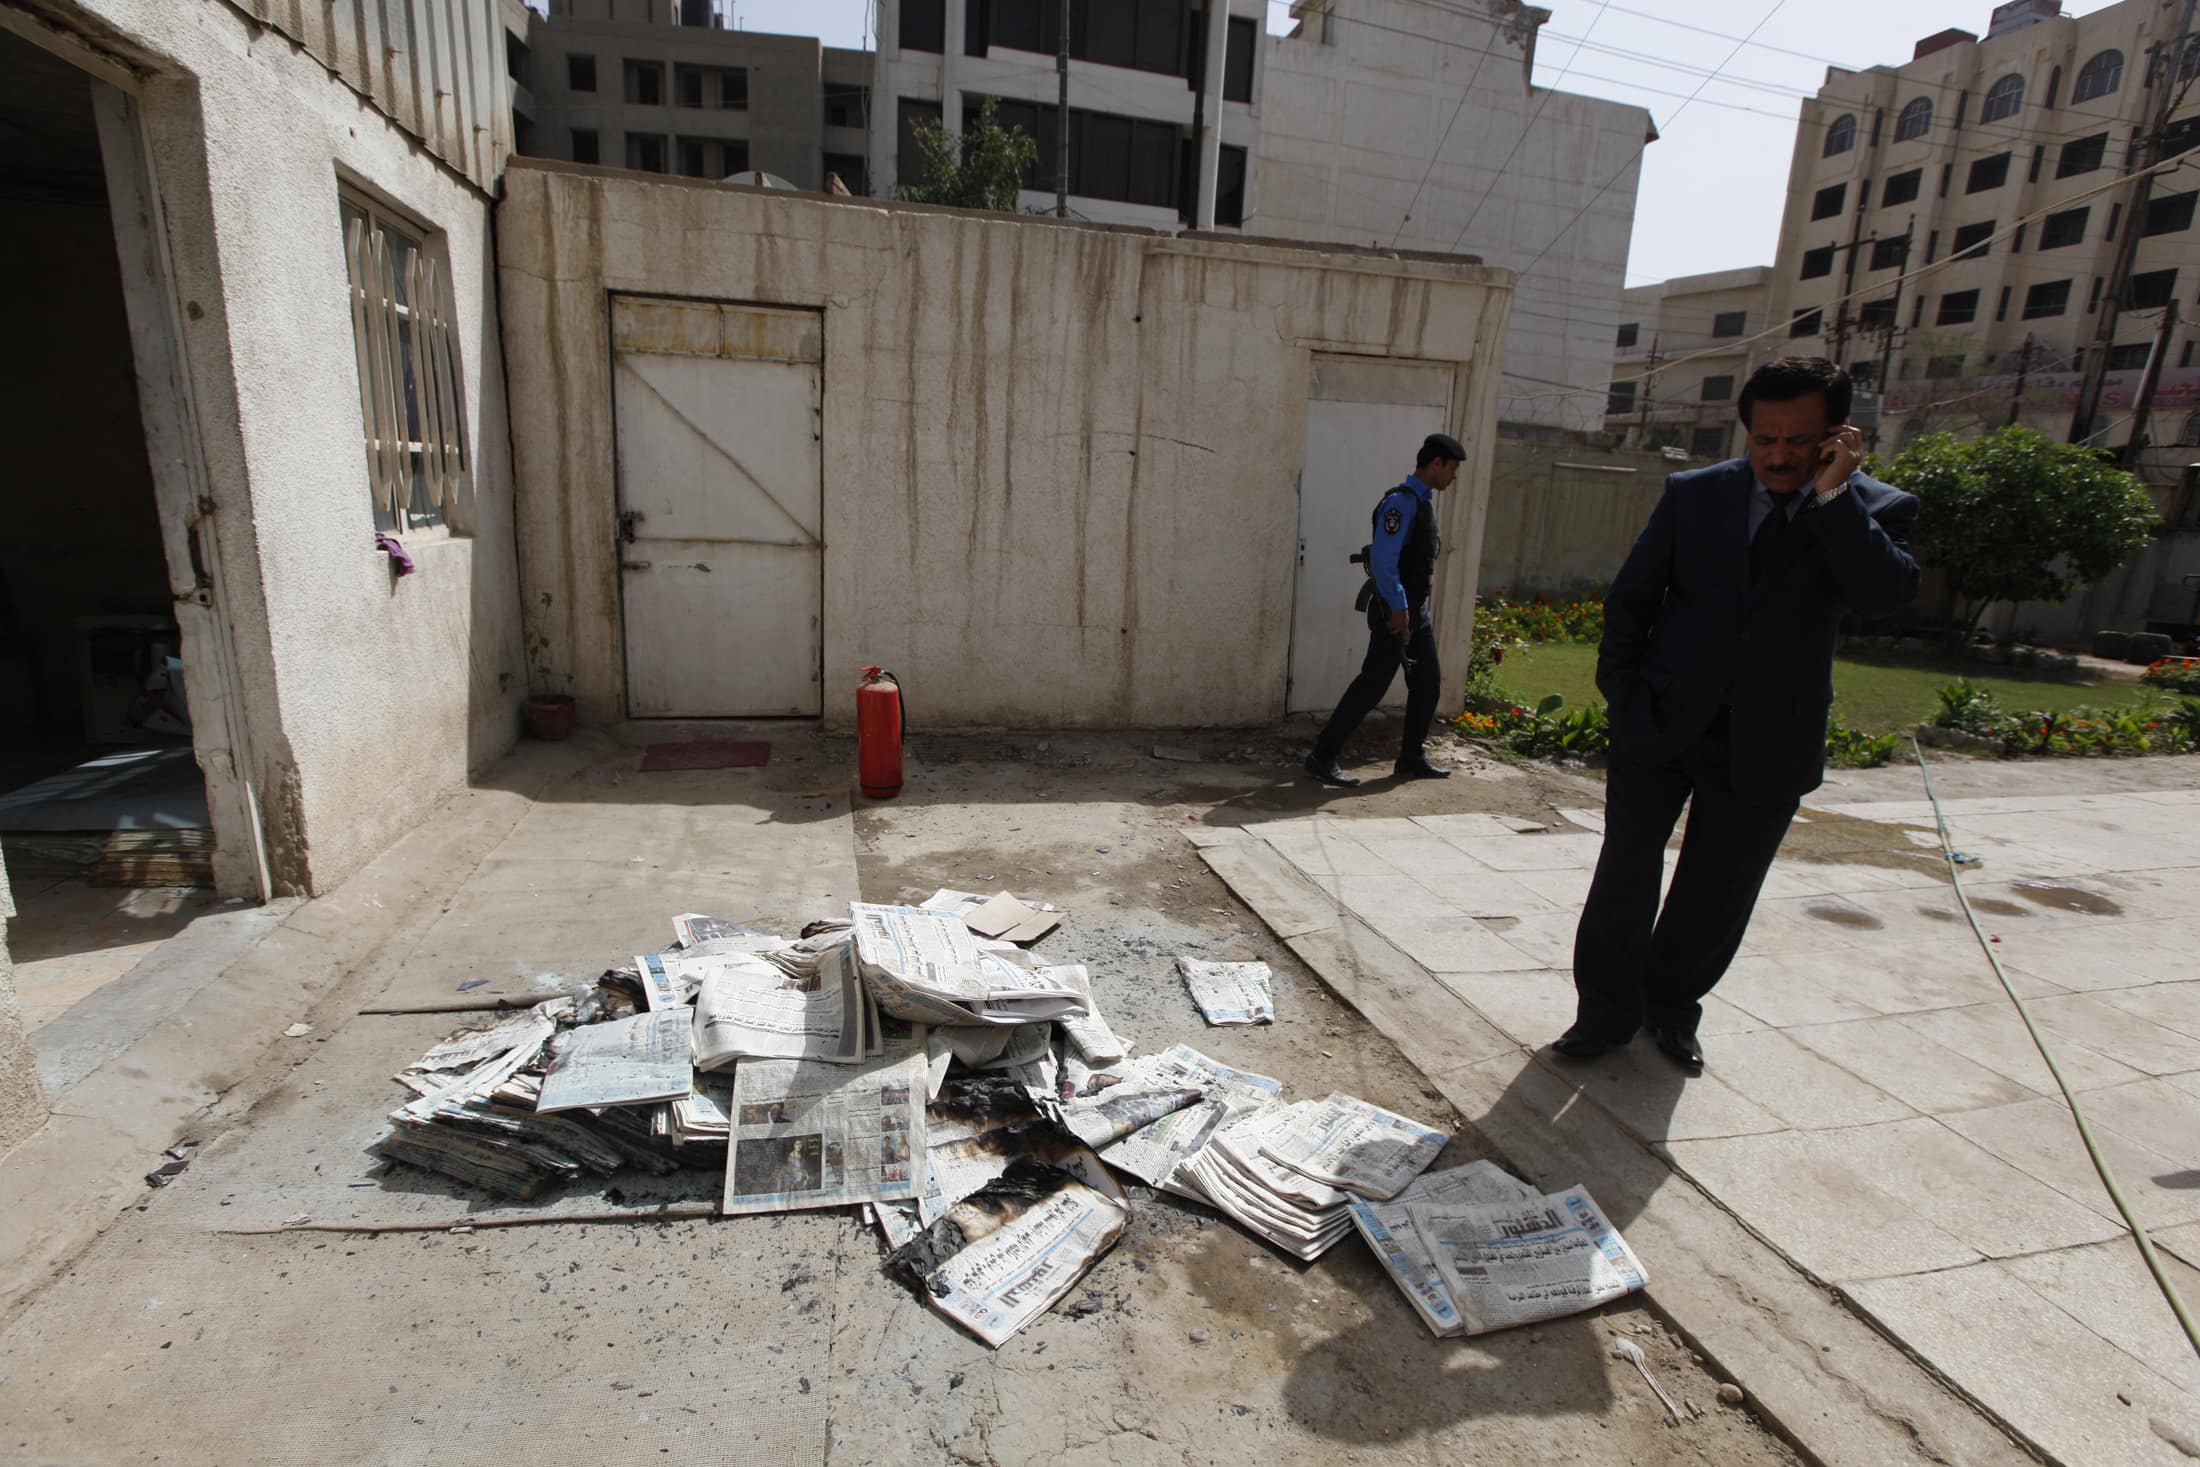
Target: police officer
1401,566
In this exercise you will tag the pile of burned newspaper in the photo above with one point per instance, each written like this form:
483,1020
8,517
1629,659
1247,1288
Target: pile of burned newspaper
920,1063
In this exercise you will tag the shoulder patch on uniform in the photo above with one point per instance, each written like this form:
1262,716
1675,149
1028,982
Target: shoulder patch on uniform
1393,517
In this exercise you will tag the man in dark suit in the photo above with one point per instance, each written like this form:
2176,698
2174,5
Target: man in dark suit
1717,665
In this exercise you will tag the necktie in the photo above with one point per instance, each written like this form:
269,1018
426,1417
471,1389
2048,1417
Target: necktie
1767,539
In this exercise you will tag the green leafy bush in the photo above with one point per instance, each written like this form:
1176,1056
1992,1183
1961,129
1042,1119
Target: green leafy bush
1852,748
2173,675
1580,619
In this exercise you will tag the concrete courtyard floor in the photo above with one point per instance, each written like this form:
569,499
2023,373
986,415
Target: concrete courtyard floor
1873,1110
288,1299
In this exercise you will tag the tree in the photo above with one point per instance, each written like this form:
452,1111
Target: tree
980,168
2018,516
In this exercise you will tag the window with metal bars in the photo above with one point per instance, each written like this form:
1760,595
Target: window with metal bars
1841,136
2004,98
1916,120
2098,77
411,392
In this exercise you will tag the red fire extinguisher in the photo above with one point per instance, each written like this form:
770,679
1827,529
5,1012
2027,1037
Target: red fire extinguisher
879,733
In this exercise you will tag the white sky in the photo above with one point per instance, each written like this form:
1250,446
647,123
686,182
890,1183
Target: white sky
1713,183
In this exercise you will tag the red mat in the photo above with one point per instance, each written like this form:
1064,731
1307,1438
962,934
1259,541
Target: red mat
705,754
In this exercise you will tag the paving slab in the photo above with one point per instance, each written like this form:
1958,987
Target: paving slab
1963,1189
1992,1034
1926,1075
1290,904
1787,991
1531,1007
1796,1084
2054,1380
2108,1288
2038,1138
1512,852
2121,1035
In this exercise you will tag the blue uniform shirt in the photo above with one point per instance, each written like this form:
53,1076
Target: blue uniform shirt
1393,526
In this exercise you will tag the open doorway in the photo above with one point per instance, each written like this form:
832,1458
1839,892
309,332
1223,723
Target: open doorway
104,819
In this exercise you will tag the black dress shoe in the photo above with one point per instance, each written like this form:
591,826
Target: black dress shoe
1583,1043
1418,767
1681,1049
1328,772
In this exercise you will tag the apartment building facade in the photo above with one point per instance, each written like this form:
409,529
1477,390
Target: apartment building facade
1683,349
1952,223
658,86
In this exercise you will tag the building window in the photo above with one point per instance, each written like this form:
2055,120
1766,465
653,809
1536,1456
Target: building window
584,145
1827,203
687,85
694,158
854,174
733,88
1901,188
2128,358
645,152
2081,155
735,157
1620,399
2048,298
1729,323
645,83
1841,136
924,25
1817,262
1987,173
1718,389
2183,134
1972,241
580,73
1708,442
2098,77
2168,216
1876,315
1957,307
412,401
1806,322
844,106
2152,291
1938,368
1237,60
2066,228
1630,333
2004,98
1916,120
910,115
1888,254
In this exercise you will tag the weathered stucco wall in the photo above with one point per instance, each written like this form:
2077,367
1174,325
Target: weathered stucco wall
1564,515
1060,462
363,697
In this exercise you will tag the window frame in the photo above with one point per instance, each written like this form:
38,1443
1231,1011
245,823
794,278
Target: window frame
1724,381
2161,289
1891,194
1957,308
1816,264
1840,136
574,62
417,482
2103,72
1718,433
1828,201
2160,210
1987,174
1982,244
1726,324
1914,120
1808,321
2055,227
1630,332
2044,307
2007,94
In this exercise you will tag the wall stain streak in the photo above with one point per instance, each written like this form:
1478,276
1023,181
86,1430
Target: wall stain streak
978,314
913,326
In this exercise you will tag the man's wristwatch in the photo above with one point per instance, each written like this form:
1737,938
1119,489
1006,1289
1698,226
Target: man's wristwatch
1824,497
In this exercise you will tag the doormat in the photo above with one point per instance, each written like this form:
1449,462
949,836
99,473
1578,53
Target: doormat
705,754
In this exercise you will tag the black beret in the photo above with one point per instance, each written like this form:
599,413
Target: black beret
1442,445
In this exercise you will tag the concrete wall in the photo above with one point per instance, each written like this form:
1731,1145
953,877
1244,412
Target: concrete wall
361,698
1676,352
22,1100
1563,515
1395,125
1060,461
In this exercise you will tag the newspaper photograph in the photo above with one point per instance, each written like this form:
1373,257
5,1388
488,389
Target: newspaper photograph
1009,1252
749,1006
1514,1263
809,1133
1398,1246
660,990
1230,993
1350,1143
623,1062
1153,1152
691,929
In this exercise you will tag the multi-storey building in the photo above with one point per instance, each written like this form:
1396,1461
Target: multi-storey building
1952,223
660,86
1684,348
1404,125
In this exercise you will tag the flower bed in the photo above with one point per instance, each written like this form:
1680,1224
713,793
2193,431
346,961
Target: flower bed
2155,727
2174,675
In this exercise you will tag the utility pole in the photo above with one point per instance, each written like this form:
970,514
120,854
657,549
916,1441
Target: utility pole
1649,379
2024,369
2153,378
1836,331
1061,117
2163,64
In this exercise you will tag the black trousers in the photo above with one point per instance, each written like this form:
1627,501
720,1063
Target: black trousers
1423,680
1634,962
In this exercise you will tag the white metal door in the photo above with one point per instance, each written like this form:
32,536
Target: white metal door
1365,417
720,501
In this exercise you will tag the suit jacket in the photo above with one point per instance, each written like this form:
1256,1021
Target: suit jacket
1685,632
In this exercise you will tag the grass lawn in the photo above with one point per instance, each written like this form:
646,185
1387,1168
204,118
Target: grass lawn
1878,692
